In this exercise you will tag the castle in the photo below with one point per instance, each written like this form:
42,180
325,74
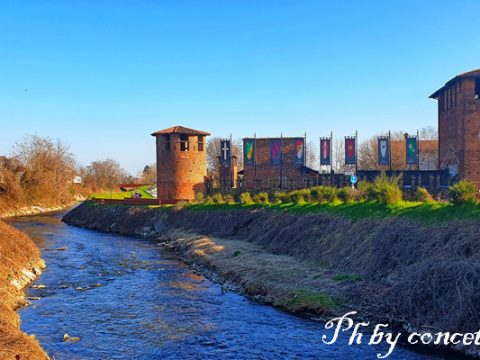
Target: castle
280,163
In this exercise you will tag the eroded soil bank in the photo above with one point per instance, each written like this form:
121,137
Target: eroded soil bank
20,263
401,272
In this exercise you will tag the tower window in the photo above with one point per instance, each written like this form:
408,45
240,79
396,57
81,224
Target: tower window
183,142
201,139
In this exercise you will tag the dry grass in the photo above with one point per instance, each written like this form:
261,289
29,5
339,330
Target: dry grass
17,252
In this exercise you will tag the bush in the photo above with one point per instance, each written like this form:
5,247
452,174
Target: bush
229,199
300,196
218,199
384,189
326,194
387,189
199,197
261,198
180,205
209,201
246,198
462,192
423,195
281,197
345,194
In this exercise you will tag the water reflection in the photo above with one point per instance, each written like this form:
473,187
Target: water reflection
126,301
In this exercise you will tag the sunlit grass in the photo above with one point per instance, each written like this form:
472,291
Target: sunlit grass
430,212
119,195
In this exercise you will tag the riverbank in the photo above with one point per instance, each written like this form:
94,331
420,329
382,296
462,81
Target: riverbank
391,270
36,210
20,264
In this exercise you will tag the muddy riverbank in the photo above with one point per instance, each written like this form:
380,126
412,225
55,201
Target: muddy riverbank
20,264
390,270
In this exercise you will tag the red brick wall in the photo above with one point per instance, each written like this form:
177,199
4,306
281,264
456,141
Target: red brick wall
180,174
268,173
459,127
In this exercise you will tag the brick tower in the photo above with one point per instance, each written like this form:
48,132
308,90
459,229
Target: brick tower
459,125
181,163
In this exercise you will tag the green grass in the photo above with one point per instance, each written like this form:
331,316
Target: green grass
347,278
426,213
118,195
310,298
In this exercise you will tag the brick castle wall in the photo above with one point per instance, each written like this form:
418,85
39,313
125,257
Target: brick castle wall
180,174
459,127
268,173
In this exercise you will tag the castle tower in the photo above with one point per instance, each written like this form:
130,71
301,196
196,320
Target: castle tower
181,163
459,125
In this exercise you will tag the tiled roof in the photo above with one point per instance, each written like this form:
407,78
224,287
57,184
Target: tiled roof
180,130
469,74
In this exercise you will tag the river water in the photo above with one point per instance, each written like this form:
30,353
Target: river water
124,299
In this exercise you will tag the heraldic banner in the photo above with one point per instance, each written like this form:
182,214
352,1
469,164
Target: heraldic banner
325,144
350,151
249,151
299,150
275,152
412,150
225,152
383,150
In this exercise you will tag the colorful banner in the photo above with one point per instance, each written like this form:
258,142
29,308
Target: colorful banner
275,154
225,152
350,151
412,150
383,150
249,152
299,155
325,144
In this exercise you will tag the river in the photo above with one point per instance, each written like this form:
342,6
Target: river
124,299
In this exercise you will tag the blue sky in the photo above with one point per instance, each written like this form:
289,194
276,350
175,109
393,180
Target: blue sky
101,75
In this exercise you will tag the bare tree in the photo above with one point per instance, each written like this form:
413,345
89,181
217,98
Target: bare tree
104,175
338,161
312,155
149,174
49,170
428,133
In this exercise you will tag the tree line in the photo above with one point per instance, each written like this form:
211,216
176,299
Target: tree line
41,171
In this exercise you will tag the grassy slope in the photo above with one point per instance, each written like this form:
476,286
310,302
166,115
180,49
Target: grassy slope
123,194
426,213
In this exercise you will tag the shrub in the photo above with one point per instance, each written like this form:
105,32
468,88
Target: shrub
261,198
422,195
323,194
209,201
246,198
366,191
345,194
218,199
199,197
462,192
229,199
281,197
300,196
180,205
387,189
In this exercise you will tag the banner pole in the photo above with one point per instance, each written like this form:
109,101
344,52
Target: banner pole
331,144
356,152
281,161
390,149
255,160
418,150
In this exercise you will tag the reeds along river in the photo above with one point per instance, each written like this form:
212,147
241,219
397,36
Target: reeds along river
125,300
